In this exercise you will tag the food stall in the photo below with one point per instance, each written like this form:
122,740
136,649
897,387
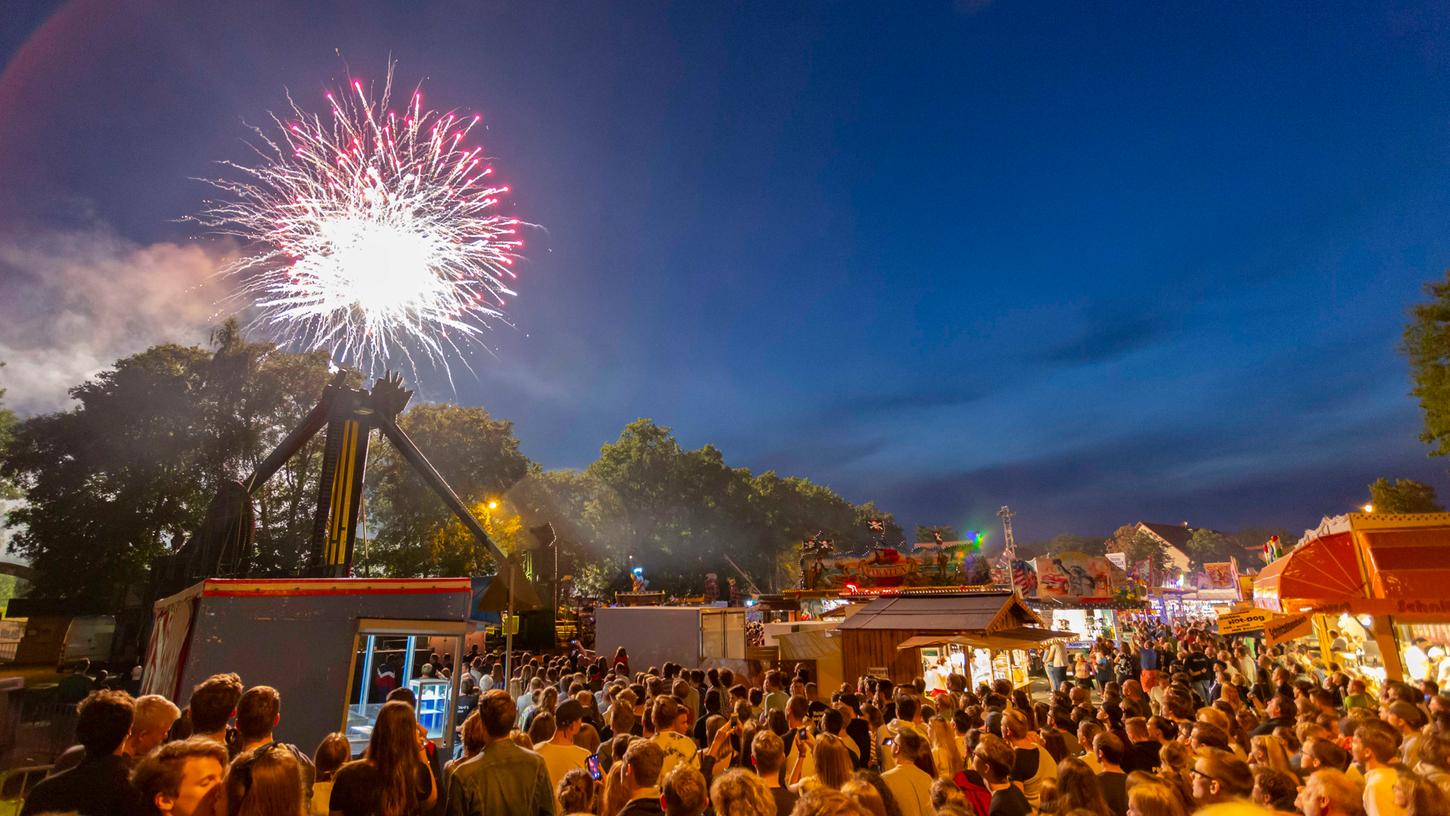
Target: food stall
904,634
1376,587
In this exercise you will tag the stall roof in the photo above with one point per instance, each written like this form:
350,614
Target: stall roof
1024,637
984,611
1410,563
1319,569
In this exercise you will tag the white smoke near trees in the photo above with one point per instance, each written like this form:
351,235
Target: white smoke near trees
73,302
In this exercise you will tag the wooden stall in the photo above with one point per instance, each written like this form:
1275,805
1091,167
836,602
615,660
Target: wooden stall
887,636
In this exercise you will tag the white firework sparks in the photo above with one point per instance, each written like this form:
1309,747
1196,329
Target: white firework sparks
371,233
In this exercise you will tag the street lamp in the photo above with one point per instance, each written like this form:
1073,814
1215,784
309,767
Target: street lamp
1368,508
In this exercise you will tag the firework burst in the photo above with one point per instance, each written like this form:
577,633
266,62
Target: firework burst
370,232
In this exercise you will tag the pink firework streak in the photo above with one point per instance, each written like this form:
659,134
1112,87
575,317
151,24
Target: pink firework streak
370,233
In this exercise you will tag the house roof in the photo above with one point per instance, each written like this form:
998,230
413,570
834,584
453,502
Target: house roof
1176,535
980,611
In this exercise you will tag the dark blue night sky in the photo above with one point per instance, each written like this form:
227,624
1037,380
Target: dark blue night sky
1101,264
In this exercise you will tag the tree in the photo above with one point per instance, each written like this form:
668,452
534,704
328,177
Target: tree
1403,496
1139,546
1067,542
126,474
413,531
1427,344
1206,546
7,433
927,532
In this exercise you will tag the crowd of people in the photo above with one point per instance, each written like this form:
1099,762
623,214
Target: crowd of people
1186,722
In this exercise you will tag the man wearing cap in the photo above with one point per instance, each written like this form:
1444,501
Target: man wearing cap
1407,719
560,753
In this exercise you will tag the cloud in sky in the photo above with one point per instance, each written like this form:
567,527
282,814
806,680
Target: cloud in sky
78,300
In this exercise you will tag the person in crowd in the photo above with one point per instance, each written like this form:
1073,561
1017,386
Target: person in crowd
259,711
560,753
331,754
1419,797
1148,796
577,794
910,786
393,777
1329,792
1274,789
833,765
993,758
154,717
768,756
1033,764
181,778
672,724
1112,779
641,775
266,781
1373,747
1219,776
100,784
1268,751
1076,788
683,792
213,702
739,792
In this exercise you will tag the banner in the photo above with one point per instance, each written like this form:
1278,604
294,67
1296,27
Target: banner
1120,560
1247,620
1074,575
1288,628
1220,575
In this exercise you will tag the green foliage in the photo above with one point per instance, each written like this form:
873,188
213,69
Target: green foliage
7,432
1427,344
126,474
414,532
1139,546
1403,496
925,532
1067,542
1207,546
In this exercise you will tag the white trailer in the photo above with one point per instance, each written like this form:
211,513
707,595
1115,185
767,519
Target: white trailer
692,636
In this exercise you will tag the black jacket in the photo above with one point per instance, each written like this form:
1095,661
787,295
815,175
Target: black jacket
96,787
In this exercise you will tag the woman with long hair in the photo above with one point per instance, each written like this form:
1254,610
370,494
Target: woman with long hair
944,751
331,753
1419,797
392,778
616,790
265,782
1268,751
833,765
1150,797
736,793
1078,789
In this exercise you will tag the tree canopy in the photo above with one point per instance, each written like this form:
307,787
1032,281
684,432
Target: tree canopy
1403,496
1427,345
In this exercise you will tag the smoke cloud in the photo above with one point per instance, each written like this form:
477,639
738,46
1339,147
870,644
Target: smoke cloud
73,302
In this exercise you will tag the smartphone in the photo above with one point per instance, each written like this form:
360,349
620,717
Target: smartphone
801,734
734,722
592,763
888,742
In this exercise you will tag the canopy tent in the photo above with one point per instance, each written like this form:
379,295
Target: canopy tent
1320,570
1409,563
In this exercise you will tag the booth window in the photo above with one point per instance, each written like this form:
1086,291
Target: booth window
391,654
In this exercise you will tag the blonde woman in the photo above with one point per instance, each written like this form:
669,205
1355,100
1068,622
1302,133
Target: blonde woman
944,751
833,765
1268,751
